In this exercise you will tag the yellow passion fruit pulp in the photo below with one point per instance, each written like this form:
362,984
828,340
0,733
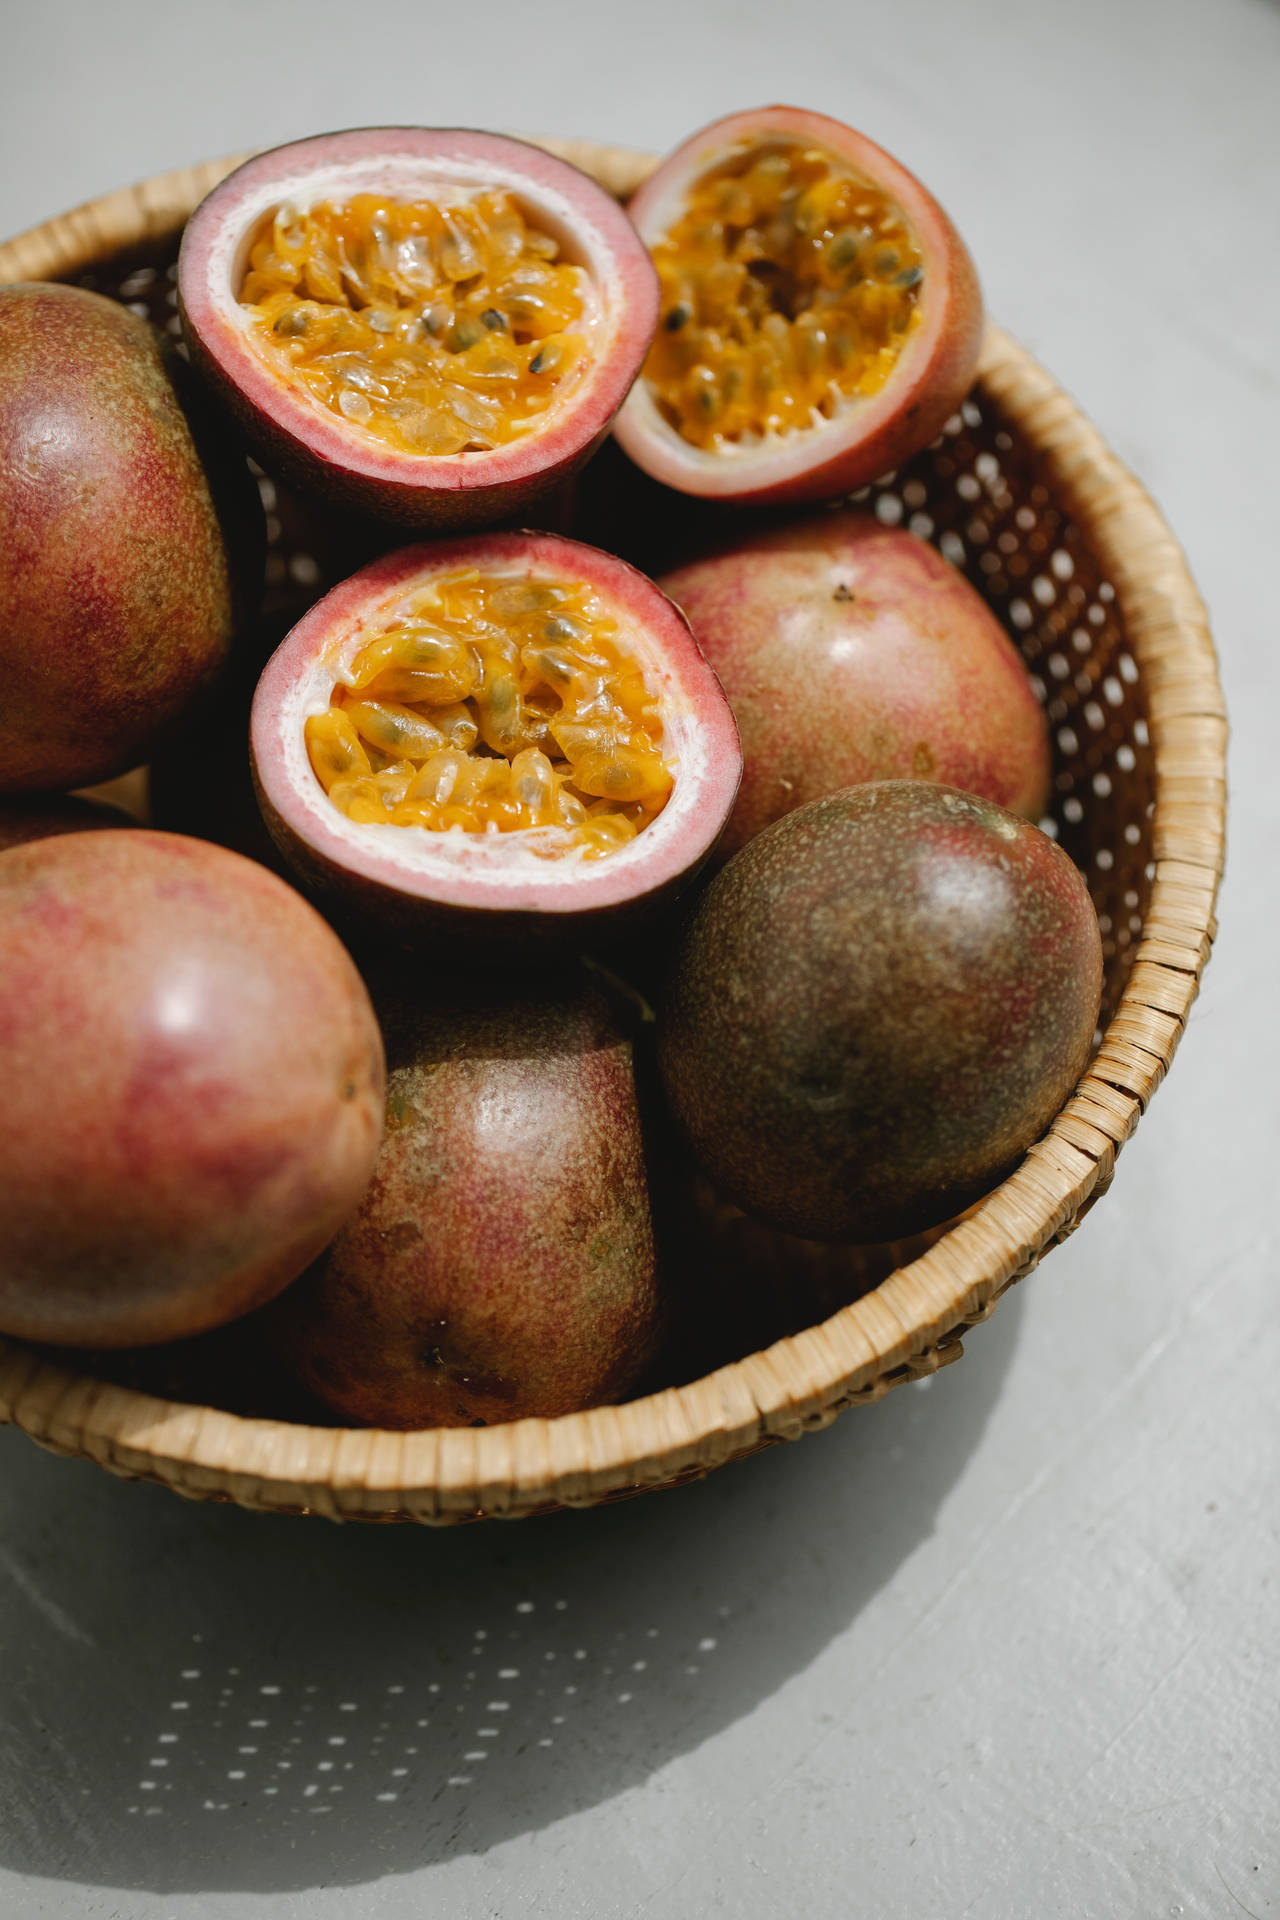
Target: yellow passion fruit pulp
492,703
432,326
789,286
438,327
820,316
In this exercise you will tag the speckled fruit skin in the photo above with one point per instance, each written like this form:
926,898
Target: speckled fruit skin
880,1003
933,373
126,555
502,1264
314,447
41,816
193,1082
851,652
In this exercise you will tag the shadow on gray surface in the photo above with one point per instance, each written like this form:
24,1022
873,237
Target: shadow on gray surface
200,1699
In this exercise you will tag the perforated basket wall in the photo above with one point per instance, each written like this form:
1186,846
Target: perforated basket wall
1022,494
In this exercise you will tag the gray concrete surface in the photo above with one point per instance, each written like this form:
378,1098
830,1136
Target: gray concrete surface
1005,1645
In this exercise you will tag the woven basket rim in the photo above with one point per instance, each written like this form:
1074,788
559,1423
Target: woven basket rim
913,1321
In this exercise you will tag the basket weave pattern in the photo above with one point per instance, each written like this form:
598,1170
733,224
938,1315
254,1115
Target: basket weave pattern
1023,495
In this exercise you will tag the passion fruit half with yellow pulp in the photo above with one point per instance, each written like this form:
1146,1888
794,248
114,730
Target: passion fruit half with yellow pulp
431,326
512,725
821,317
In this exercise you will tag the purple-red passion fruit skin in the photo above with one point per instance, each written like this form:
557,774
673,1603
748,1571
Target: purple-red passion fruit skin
933,373
194,1081
316,449
131,541
880,1003
399,878
852,651
502,1264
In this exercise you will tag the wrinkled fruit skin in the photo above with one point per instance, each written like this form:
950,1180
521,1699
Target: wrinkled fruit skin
852,652
502,1264
124,562
42,816
194,1084
881,1002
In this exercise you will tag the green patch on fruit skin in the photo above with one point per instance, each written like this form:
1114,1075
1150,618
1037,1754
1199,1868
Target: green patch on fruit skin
600,1249
401,1112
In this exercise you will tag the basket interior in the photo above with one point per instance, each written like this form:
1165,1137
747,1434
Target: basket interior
980,496
977,496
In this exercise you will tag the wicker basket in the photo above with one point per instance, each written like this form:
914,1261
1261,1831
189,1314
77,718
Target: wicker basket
1075,559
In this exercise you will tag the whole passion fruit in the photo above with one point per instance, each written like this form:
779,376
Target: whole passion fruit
502,1264
431,326
880,1003
130,540
821,317
851,651
193,1087
511,728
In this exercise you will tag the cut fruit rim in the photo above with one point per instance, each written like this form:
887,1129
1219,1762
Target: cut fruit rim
416,164
501,871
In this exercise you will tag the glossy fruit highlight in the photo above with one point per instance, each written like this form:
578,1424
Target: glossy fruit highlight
130,541
881,1002
502,1264
514,726
434,326
821,318
852,651
194,1080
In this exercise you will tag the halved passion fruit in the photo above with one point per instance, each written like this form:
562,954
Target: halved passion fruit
821,318
432,326
514,724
